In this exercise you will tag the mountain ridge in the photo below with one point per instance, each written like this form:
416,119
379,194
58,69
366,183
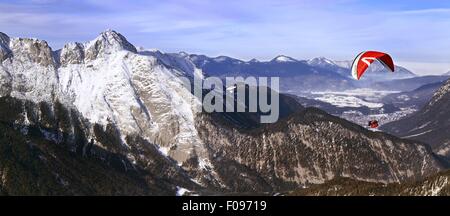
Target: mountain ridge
430,124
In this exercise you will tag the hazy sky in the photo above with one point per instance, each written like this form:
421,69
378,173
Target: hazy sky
416,33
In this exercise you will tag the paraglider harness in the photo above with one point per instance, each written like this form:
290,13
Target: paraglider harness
373,124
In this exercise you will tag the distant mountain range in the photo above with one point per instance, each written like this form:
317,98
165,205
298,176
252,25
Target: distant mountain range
376,71
294,75
318,74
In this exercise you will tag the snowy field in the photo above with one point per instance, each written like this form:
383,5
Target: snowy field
353,98
351,101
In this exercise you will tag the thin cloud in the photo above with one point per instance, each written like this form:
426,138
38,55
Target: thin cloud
429,11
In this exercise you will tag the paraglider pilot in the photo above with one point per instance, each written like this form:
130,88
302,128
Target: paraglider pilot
373,124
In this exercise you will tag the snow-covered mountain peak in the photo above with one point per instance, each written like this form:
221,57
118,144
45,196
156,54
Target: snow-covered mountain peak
72,53
183,54
27,69
283,58
320,61
221,58
141,93
32,50
227,59
106,43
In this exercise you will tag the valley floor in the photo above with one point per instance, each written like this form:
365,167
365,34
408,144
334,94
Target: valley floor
359,106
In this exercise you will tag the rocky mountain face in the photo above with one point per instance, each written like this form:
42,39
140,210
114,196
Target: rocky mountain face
310,147
102,117
45,150
430,125
436,185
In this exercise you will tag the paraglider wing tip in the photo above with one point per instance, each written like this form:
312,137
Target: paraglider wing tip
391,67
355,62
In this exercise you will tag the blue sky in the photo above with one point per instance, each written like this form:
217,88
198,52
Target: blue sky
416,33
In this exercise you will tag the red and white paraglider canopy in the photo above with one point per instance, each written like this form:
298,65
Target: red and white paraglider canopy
364,59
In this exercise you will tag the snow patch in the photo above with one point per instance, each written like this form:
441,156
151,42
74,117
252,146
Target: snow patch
164,150
347,101
182,191
436,189
283,58
418,134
